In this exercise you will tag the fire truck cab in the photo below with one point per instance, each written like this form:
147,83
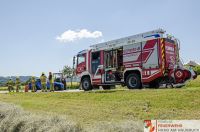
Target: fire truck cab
150,58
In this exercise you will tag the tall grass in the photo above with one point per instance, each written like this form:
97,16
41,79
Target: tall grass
122,126
14,119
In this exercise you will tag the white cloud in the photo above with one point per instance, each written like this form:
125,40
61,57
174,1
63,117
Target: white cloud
69,35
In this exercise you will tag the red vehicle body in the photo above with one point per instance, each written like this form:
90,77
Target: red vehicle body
146,59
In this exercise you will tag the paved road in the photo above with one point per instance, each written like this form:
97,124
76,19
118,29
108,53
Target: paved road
3,92
74,90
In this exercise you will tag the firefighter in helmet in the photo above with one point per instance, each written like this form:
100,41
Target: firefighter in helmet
43,79
10,85
33,84
51,82
17,83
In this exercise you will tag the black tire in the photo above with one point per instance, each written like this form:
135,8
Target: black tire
133,81
86,84
106,87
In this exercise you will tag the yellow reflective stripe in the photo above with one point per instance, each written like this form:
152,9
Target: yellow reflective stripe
163,55
162,40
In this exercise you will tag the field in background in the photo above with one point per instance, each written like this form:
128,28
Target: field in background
3,88
73,85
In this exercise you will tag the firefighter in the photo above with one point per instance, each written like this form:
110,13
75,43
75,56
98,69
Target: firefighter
64,83
43,79
10,85
17,83
33,84
51,82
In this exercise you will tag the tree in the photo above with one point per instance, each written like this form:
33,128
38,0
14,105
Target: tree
67,71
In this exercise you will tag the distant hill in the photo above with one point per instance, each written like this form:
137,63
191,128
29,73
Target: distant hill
3,80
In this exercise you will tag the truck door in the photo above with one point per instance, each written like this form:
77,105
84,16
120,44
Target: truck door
96,67
150,54
95,61
170,54
150,60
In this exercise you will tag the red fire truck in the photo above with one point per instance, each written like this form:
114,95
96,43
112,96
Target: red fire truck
146,59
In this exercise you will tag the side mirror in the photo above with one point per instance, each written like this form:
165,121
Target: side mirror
74,60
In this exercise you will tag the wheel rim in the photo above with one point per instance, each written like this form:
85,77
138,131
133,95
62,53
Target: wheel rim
86,84
132,81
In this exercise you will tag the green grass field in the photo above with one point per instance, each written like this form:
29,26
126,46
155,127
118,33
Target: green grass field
3,88
88,108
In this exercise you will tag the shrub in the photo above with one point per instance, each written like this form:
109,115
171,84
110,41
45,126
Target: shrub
197,69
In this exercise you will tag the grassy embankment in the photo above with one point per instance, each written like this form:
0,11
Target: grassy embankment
88,108
115,104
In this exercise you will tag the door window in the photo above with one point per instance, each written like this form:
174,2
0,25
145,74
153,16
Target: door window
81,59
95,61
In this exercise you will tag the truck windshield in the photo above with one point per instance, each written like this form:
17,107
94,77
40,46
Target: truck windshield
81,59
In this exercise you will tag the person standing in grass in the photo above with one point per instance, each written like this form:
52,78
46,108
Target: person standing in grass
33,84
43,80
17,83
51,82
10,85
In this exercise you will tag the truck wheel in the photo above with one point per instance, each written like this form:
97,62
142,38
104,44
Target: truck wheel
133,81
86,84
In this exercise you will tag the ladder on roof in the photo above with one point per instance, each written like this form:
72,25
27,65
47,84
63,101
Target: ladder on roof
129,40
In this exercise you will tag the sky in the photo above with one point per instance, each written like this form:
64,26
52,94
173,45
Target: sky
43,35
